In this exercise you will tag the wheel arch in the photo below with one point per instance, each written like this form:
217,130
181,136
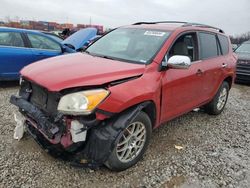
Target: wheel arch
150,110
149,107
229,80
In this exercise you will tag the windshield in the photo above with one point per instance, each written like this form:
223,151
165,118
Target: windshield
129,44
244,48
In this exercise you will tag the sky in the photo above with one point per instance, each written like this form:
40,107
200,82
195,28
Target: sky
231,16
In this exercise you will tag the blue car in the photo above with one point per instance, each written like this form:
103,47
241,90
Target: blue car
19,47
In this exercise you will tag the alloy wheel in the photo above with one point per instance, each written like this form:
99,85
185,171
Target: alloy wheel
222,99
131,142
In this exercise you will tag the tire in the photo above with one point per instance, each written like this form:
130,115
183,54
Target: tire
216,106
115,161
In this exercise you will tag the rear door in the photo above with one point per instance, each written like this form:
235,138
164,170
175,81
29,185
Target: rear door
213,63
43,46
14,54
182,89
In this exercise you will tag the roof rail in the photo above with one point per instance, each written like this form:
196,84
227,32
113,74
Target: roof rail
184,24
204,25
159,22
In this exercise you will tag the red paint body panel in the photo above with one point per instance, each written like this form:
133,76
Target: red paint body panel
79,69
145,88
181,91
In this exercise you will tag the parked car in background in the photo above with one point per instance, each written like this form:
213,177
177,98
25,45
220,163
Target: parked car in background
243,64
19,47
100,107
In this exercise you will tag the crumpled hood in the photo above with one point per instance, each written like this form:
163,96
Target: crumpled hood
78,69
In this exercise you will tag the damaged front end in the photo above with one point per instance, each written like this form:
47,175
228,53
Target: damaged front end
81,139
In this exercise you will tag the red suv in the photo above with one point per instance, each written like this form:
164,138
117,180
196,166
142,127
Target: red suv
100,106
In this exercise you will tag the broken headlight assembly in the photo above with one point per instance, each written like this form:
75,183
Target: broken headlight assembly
81,103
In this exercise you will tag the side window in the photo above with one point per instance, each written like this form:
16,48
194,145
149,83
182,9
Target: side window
208,45
41,42
224,44
185,45
11,39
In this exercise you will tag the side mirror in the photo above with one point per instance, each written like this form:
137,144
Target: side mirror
179,62
64,49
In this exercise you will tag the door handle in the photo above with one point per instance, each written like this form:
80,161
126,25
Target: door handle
224,65
199,72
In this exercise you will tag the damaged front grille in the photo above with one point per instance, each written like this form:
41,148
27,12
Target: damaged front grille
40,97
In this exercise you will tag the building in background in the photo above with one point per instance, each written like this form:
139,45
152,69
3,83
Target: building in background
49,26
100,28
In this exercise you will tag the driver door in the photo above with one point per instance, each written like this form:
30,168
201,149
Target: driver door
182,88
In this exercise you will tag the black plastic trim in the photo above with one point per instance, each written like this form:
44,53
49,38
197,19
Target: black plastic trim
42,121
104,112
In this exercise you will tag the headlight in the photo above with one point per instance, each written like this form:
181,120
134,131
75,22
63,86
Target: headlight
81,103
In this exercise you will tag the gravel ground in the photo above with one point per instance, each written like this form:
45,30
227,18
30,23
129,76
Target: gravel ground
216,153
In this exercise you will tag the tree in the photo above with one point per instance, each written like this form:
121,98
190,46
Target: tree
238,39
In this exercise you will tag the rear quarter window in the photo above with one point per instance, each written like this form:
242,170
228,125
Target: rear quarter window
208,45
224,44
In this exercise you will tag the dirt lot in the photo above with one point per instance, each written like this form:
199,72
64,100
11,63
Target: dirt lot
216,153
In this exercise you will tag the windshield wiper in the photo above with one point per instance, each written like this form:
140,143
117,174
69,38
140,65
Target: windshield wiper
87,52
97,55
104,56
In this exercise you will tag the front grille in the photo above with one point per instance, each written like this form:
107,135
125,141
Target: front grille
243,67
40,97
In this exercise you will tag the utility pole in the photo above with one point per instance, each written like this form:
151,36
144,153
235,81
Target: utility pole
90,21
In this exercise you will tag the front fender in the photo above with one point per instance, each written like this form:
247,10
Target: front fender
133,92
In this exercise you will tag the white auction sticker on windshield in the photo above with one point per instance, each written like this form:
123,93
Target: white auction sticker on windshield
143,61
155,33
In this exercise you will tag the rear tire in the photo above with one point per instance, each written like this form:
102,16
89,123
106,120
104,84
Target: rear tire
134,139
219,101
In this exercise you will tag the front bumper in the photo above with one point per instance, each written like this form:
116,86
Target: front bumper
243,70
100,140
49,135
38,119
242,77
